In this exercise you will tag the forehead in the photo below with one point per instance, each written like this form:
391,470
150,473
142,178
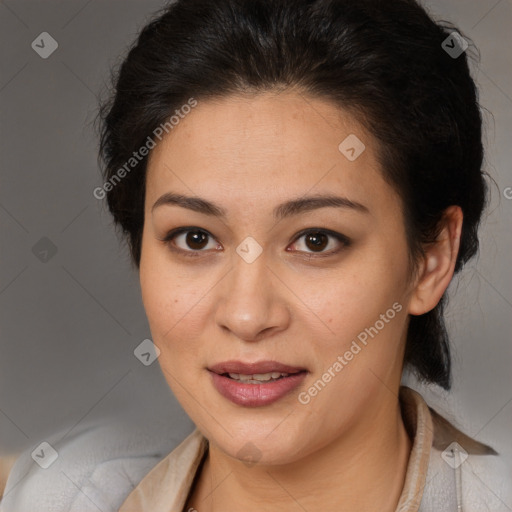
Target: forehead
252,147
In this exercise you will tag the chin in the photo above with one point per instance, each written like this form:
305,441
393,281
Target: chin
253,443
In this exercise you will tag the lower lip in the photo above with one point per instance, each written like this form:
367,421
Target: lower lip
255,395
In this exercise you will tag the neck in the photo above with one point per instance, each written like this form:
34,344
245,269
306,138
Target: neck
363,469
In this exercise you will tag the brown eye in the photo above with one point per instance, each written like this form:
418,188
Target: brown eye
193,241
316,241
196,239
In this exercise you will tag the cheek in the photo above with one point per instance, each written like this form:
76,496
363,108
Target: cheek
365,288
162,296
169,307
364,307
176,305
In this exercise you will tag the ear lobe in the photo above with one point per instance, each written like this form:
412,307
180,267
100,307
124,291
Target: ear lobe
436,271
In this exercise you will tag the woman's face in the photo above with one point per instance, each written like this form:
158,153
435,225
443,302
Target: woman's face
251,288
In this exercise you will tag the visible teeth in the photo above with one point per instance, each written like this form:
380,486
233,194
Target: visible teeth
257,377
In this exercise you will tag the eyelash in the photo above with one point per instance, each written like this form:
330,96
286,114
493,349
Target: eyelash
346,242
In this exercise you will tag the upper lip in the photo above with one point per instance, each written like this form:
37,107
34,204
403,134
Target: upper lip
252,368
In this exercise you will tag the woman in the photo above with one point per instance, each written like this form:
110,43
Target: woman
299,180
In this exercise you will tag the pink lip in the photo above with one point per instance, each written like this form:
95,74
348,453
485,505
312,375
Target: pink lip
255,395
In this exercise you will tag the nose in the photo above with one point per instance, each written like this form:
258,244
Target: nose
251,304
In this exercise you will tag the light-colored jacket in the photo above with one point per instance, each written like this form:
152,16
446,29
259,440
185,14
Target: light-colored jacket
447,470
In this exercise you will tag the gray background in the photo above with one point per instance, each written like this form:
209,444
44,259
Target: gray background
69,325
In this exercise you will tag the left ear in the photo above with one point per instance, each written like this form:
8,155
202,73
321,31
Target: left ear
437,268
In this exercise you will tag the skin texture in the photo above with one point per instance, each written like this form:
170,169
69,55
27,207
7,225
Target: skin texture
347,449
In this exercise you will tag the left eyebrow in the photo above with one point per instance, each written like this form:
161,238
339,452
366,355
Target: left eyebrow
305,204
287,209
